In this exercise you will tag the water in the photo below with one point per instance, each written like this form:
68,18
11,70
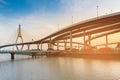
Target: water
58,68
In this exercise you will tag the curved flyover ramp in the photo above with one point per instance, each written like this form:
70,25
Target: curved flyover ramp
107,24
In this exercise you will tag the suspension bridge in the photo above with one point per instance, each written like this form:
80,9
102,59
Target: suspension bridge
101,26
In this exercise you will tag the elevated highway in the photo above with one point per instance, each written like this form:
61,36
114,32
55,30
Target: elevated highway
106,25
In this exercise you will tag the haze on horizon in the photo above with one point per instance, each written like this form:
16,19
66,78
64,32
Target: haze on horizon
40,18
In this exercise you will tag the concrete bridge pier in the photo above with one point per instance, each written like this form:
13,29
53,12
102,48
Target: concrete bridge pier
84,38
50,46
57,45
71,40
41,46
89,38
78,46
33,55
106,41
12,56
65,44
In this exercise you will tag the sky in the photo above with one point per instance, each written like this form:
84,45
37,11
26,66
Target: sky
39,18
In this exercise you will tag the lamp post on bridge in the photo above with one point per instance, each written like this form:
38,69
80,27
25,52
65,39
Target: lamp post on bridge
97,10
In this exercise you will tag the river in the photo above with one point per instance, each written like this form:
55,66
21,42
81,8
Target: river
58,68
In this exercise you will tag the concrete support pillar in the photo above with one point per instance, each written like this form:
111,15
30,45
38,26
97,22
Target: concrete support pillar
65,45
84,39
41,46
71,39
33,55
89,37
50,45
12,56
57,45
106,41
78,46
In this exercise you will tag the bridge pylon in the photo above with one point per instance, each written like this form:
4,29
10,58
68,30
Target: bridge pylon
19,36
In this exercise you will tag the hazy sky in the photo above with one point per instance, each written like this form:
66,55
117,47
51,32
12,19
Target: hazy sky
39,18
